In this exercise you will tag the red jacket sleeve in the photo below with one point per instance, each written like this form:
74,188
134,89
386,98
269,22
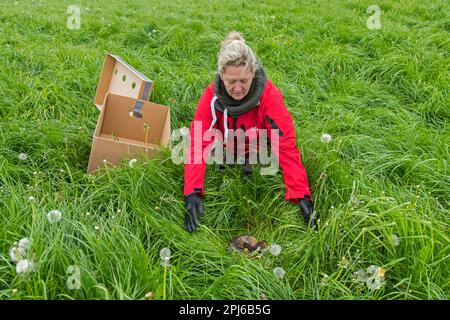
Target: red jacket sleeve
195,166
276,116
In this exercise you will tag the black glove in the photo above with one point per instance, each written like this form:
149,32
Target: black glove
306,208
194,207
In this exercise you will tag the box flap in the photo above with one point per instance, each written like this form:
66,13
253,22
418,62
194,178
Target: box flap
118,77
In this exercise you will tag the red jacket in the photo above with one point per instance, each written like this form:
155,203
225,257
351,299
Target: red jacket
271,113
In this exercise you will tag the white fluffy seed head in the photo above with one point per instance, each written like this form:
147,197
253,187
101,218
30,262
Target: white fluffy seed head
326,138
279,273
54,216
24,266
275,249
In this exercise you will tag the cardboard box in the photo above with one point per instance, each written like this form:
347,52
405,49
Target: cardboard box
128,125
120,78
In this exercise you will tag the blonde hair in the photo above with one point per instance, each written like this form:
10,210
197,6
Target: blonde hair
234,51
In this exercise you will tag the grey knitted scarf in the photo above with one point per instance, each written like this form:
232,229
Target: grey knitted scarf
234,107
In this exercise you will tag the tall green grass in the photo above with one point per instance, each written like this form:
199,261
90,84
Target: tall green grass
382,94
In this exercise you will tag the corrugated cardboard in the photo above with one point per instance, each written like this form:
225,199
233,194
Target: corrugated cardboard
118,133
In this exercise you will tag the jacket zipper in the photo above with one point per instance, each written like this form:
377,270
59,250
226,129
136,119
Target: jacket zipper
274,125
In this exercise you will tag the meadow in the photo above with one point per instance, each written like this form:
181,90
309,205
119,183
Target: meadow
381,186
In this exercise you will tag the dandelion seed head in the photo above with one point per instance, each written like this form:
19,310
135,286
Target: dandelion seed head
395,240
96,228
14,291
17,253
361,275
54,216
24,266
165,253
275,249
30,198
326,138
279,273
23,156
25,243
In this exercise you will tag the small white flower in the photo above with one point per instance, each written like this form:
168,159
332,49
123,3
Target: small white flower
31,198
25,243
326,138
14,291
275,249
395,239
105,161
54,216
24,266
23,156
279,273
97,228
17,253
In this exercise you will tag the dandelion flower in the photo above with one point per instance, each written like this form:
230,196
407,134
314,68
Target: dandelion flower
54,216
17,253
165,257
275,249
23,156
326,138
279,273
395,239
24,266
132,162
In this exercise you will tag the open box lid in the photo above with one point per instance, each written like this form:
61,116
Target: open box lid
118,77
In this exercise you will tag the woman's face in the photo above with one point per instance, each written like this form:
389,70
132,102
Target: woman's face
237,81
